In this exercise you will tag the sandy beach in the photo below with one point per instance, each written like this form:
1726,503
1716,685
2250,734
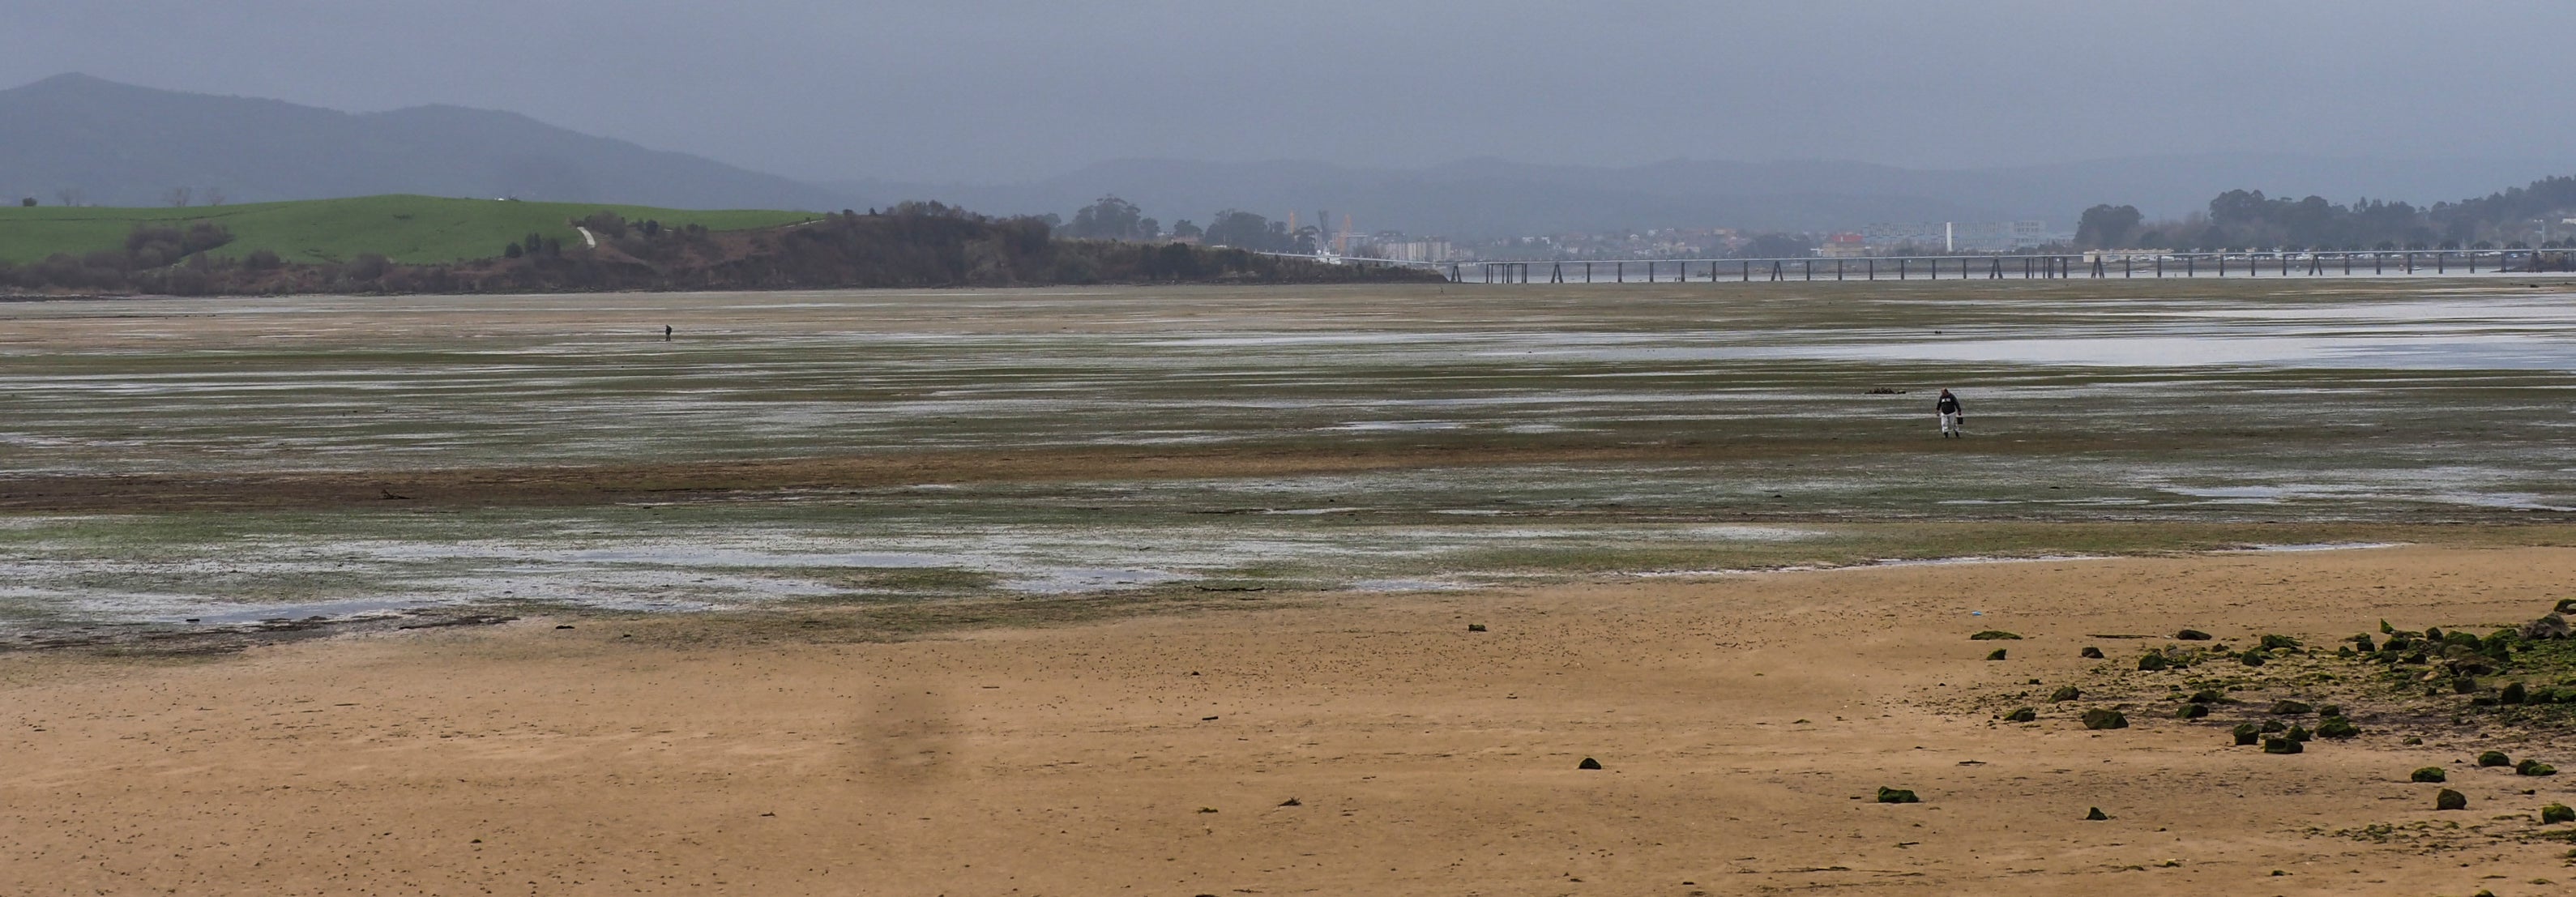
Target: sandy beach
1341,744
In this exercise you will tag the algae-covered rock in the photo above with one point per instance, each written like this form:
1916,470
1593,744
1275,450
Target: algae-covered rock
2297,733
2534,768
2513,693
2246,734
2022,715
2274,726
2337,727
1992,635
2064,694
2433,774
2450,800
2550,627
2557,813
2494,758
1888,795
2207,696
1996,654
2105,718
2278,745
2153,662
2291,708
2277,642
2193,635
2251,658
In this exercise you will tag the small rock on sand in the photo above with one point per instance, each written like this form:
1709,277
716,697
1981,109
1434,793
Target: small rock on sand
2431,774
1888,795
1588,763
2091,653
2193,635
2450,800
2105,718
2096,815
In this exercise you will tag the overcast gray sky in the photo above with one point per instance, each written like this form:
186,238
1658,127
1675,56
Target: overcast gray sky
998,90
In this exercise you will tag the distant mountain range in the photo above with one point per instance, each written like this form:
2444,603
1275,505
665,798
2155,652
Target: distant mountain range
119,144
124,145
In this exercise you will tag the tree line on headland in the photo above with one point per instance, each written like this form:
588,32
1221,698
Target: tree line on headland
2525,217
917,245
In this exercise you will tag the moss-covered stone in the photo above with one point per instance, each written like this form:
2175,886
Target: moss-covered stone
2274,726
2193,635
2065,693
2251,658
2278,642
2557,813
2534,768
1888,795
2450,800
2278,745
2493,759
2247,734
1996,654
2207,696
2432,774
2022,715
2513,693
2193,711
2297,733
2105,718
2337,727
2153,662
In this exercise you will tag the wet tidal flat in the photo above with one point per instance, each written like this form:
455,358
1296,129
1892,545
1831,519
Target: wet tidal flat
246,459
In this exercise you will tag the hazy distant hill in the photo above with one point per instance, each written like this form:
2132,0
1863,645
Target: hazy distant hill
1482,198
124,145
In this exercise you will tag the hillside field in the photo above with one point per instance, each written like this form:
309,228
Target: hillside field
413,229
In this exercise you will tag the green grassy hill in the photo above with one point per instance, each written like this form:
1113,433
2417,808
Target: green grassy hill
417,229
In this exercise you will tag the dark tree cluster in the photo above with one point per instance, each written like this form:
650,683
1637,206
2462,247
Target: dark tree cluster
2518,218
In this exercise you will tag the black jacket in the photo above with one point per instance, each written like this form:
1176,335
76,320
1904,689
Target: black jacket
1947,405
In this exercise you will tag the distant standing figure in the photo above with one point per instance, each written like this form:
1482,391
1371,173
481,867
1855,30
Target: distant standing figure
1951,419
666,333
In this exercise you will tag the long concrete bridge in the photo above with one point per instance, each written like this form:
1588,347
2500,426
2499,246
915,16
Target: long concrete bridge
2093,265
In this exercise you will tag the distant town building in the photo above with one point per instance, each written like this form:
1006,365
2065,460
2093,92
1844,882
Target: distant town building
1957,236
1844,246
1412,251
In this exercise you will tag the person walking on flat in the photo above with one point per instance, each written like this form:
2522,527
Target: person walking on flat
1951,419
